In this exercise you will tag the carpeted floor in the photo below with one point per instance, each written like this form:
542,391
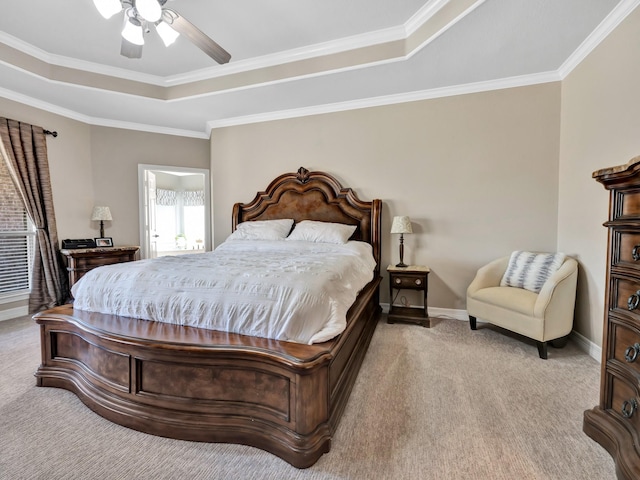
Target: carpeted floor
440,403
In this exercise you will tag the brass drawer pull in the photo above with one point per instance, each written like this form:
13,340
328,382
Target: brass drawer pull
629,408
631,353
635,253
634,301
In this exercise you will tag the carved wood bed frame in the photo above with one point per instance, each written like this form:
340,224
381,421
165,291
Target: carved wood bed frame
205,385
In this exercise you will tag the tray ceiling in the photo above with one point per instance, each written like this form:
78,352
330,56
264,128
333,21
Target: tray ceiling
289,57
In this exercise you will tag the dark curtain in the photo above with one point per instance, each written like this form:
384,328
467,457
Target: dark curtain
24,148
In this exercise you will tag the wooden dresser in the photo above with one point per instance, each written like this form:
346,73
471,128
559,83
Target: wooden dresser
615,422
81,260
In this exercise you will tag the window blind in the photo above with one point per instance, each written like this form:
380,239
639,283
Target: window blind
17,238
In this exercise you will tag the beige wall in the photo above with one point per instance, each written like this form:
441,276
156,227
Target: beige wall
477,174
115,155
600,128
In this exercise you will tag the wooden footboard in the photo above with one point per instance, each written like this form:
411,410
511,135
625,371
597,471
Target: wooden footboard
203,385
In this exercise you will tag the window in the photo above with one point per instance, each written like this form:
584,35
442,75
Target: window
17,237
179,225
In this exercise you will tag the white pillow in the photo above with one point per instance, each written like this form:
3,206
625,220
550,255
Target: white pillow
262,230
322,232
531,270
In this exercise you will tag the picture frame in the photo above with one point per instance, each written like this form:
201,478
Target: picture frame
104,242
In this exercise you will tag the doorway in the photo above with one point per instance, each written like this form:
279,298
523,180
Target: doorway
175,210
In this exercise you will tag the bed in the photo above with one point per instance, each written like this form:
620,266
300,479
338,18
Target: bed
206,385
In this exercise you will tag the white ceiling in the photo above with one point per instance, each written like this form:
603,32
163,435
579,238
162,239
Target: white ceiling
289,57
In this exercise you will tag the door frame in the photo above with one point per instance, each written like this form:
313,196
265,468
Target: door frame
142,169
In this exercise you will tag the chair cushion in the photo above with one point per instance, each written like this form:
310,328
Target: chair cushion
530,270
508,298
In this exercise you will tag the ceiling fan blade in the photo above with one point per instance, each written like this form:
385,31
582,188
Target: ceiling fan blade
130,50
198,38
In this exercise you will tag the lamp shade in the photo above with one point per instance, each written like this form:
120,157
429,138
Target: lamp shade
401,225
101,213
150,10
167,34
132,31
108,8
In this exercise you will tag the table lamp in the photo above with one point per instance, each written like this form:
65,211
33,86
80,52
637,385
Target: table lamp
102,214
401,225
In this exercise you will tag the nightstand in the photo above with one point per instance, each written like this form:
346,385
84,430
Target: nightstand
413,277
81,260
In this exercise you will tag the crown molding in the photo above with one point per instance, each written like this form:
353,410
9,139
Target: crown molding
140,127
617,15
102,122
73,63
427,11
479,87
473,4
46,106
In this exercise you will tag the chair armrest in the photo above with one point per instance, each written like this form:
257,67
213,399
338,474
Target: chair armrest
489,275
559,291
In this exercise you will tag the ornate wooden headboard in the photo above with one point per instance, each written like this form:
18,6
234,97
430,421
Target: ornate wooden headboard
306,195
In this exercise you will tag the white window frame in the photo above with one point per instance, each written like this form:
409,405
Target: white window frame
20,295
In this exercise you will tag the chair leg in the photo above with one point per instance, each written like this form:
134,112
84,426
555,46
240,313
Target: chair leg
542,349
472,322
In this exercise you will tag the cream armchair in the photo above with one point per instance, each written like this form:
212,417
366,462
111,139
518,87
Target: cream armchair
546,316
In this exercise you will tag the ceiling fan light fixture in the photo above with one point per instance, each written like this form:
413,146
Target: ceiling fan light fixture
166,33
132,31
150,10
108,8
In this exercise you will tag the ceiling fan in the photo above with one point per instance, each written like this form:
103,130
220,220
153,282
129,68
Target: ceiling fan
140,15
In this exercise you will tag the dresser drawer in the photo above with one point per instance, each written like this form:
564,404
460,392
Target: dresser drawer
629,201
93,262
626,346
80,261
626,249
626,296
625,402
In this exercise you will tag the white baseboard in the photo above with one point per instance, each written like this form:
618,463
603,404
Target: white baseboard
15,312
586,345
438,312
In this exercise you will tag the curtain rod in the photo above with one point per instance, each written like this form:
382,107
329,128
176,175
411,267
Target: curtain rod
54,134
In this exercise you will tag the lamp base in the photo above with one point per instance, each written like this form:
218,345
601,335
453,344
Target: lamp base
401,265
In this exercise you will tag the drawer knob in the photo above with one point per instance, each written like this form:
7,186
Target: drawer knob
398,281
418,281
634,301
631,353
629,408
635,253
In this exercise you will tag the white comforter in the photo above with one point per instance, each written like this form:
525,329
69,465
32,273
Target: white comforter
285,290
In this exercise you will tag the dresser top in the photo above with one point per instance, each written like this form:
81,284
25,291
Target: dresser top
72,251
630,168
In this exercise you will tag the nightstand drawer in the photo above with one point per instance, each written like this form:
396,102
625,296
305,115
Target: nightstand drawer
406,280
